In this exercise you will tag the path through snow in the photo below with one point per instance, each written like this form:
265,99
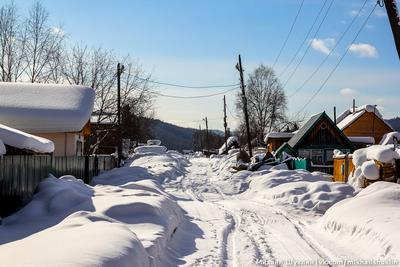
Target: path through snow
242,232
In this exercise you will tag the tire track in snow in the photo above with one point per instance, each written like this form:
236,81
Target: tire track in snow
311,243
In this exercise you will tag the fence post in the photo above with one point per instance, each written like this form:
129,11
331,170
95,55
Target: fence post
96,165
86,175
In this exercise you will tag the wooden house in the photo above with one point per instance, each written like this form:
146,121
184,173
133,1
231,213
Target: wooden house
364,121
59,113
274,140
317,140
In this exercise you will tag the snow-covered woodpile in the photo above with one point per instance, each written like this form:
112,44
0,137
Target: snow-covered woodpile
374,163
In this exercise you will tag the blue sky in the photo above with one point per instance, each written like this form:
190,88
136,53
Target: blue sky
197,43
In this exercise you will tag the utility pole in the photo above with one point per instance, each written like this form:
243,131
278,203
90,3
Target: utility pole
120,69
206,121
394,20
201,138
225,125
246,115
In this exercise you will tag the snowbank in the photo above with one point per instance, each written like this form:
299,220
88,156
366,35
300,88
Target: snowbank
298,188
153,142
368,222
163,167
126,221
150,149
231,141
22,140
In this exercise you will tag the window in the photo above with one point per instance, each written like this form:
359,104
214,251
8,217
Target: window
79,148
317,156
304,153
329,156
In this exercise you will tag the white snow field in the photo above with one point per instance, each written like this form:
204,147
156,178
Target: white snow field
163,209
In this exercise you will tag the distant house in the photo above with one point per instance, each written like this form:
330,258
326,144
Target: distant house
274,140
317,139
16,142
59,113
361,122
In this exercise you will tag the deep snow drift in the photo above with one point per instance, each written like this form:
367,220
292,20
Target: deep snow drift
163,209
128,220
368,222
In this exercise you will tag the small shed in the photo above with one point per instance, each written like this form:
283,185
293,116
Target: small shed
274,140
317,140
364,121
342,167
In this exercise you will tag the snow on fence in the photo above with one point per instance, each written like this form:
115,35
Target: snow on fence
20,174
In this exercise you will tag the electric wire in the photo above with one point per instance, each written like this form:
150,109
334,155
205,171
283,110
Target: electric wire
339,61
330,52
197,96
304,40
309,45
289,33
188,86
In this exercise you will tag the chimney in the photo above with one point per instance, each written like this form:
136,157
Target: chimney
334,115
354,105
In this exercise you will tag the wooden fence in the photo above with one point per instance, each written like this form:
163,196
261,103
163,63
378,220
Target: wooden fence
20,175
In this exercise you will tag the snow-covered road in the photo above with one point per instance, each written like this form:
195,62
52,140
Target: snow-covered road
162,209
236,231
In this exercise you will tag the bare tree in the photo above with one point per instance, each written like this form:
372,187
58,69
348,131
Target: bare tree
97,68
266,102
43,44
12,45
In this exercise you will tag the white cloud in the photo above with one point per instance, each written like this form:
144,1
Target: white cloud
347,92
379,13
364,50
353,13
323,45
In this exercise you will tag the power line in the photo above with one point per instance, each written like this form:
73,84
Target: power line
305,39
330,52
309,45
340,60
188,86
198,96
289,33
230,112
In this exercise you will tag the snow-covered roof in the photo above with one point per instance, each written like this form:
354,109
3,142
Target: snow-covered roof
22,140
348,116
278,135
45,108
387,139
362,139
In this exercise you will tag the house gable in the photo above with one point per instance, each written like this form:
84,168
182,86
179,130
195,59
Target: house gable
368,124
320,132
